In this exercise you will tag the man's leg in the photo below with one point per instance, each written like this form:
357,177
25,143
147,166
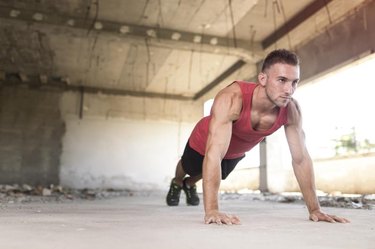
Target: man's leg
173,196
178,183
190,190
180,174
187,184
192,180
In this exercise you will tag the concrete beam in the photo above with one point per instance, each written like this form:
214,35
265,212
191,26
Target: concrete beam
296,20
47,82
346,41
237,65
64,83
156,36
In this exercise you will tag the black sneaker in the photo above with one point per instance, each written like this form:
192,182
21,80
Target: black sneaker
173,197
192,197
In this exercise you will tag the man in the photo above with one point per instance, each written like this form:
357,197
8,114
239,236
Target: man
241,116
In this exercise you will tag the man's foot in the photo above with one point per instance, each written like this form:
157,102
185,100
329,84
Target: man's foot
192,197
173,197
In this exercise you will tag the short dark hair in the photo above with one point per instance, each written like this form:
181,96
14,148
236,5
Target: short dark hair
280,56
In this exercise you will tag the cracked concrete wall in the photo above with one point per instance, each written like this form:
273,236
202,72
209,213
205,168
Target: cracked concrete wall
31,130
120,141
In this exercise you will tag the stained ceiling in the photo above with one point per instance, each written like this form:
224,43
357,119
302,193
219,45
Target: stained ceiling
176,49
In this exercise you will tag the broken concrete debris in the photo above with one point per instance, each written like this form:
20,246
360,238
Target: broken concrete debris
326,200
26,193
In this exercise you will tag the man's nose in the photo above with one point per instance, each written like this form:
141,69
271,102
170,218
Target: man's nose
288,88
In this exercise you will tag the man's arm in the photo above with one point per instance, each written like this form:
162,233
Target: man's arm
302,165
225,110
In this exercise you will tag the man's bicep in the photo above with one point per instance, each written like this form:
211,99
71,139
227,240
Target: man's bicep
219,135
220,128
296,141
294,132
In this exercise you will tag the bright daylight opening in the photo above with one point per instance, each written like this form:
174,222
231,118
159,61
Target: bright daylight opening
207,107
338,111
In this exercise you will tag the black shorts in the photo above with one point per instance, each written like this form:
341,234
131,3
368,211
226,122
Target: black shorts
192,163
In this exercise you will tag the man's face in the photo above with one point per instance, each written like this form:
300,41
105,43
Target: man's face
280,82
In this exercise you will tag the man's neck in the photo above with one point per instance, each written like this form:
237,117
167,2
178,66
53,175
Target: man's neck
261,102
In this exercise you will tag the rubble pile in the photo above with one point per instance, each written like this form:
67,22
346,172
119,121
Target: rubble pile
326,200
345,201
26,193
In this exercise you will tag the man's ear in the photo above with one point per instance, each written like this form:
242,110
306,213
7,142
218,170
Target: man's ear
262,78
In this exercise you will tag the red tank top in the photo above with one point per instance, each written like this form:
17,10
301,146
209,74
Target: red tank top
244,137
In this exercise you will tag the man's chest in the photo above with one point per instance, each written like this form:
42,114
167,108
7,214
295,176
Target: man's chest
262,122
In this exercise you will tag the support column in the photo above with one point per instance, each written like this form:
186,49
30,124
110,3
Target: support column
279,167
263,184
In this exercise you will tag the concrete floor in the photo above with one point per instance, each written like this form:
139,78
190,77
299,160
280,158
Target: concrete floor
146,222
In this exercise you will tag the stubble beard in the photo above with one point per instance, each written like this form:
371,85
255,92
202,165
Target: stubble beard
271,100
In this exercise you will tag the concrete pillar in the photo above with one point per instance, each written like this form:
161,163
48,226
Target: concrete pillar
279,166
263,184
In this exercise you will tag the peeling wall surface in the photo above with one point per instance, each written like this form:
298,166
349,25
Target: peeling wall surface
119,142
31,131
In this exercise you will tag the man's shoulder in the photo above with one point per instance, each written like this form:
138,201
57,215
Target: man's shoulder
233,90
229,101
245,82
293,106
294,112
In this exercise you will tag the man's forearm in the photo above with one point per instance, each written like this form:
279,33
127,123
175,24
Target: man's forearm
305,176
211,184
311,199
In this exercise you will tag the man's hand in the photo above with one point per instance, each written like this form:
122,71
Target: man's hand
320,216
221,218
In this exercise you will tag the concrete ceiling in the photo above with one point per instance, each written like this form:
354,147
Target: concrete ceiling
177,49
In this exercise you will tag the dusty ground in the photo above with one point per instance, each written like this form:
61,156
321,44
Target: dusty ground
121,219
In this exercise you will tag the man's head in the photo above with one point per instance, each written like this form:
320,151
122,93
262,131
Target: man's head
280,56
279,76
